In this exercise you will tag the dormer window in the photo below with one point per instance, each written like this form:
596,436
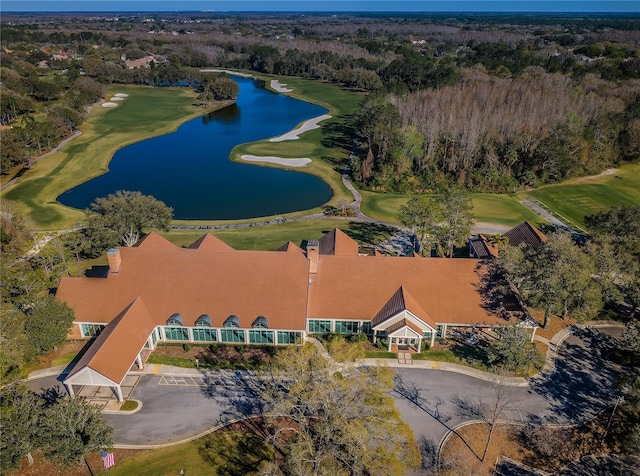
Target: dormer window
175,319
203,321
260,323
232,321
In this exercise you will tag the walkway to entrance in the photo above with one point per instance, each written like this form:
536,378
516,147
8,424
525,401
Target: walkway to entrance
405,358
410,349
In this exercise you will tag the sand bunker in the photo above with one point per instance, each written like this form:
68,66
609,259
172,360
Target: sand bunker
276,86
109,104
301,162
121,95
306,126
116,98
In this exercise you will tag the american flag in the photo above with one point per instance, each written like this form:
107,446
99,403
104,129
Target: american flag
108,459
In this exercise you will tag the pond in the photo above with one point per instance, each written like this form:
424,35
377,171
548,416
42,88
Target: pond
191,172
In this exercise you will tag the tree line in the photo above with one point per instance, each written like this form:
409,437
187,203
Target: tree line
491,134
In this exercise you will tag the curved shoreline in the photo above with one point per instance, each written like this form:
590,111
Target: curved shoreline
308,125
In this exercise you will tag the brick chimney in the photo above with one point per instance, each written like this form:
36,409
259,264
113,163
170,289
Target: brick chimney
115,260
313,250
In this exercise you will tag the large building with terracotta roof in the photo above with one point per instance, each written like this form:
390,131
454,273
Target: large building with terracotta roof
210,292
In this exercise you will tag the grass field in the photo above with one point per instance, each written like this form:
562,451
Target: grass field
221,453
499,208
502,209
147,112
578,198
272,237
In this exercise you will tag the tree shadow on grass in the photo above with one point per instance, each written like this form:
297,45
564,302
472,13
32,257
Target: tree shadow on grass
339,135
235,453
473,354
369,233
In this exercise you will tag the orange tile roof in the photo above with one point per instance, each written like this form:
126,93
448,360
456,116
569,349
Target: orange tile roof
290,246
338,243
401,301
194,282
115,349
210,242
154,240
353,287
211,278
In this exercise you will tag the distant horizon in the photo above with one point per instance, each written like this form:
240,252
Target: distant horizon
322,6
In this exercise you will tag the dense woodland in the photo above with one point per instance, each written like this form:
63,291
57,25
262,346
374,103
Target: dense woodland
490,103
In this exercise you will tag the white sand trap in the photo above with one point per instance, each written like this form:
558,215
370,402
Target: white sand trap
228,71
277,86
306,126
109,104
116,98
301,162
121,95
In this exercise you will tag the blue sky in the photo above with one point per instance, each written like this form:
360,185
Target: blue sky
613,6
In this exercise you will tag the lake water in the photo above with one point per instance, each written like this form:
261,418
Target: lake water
191,172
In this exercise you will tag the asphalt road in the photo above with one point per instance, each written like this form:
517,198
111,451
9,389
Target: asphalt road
431,401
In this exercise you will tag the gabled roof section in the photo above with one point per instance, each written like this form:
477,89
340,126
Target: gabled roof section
290,246
526,233
401,301
116,348
210,243
154,240
401,324
338,243
480,248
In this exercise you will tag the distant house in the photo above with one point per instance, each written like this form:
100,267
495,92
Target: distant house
211,293
525,234
144,62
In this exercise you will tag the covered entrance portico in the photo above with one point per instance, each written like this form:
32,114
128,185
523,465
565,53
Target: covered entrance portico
405,339
116,349
403,322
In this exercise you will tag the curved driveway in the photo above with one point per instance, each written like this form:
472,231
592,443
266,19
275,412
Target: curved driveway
431,401
434,402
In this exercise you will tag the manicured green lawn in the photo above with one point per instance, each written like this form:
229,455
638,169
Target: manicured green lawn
221,453
383,206
272,237
581,197
147,112
490,208
502,209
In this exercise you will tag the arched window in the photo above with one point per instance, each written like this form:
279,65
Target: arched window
232,321
260,323
175,319
203,321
